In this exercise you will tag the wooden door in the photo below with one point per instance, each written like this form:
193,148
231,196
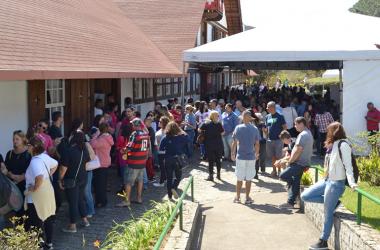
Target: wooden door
107,86
78,102
36,101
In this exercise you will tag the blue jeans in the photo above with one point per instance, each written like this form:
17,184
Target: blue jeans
88,195
326,192
202,150
191,135
145,179
292,175
2,222
227,142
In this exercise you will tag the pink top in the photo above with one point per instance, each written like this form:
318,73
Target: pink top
102,147
46,140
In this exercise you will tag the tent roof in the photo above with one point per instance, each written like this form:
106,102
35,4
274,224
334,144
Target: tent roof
352,38
75,39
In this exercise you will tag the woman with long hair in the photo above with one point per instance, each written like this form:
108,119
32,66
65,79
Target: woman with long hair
102,143
160,134
213,142
39,194
73,167
17,161
201,116
174,145
338,168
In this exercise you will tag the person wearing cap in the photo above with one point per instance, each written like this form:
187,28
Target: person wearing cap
245,150
138,149
190,124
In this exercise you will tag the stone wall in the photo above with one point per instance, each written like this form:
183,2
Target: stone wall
346,234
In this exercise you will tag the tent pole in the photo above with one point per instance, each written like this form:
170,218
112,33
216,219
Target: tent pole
340,95
183,84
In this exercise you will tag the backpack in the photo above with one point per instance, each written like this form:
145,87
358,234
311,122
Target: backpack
13,198
5,189
355,168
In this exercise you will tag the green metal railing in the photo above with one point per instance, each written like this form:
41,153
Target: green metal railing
178,208
360,192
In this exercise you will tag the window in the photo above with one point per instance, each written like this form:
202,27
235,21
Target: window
159,88
148,88
168,87
54,97
137,89
176,87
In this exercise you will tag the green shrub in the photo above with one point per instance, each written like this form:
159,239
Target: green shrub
16,238
369,168
140,234
306,179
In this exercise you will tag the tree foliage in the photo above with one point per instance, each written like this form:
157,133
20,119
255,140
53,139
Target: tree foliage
367,7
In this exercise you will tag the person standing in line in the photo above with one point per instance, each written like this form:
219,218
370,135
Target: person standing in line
246,139
274,124
42,129
239,108
300,158
160,134
98,109
338,166
174,145
322,120
152,135
39,192
229,121
138,152
260,161
201,116
213,131
73,167
190,124
102,143
373,119
17,161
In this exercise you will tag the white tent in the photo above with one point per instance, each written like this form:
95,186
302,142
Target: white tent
347,42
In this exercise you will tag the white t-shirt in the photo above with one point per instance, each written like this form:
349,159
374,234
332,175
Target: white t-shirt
39,165
290,114
201,117
160,134
98,112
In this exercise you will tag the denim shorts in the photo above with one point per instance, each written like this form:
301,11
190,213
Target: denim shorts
274,149
132,175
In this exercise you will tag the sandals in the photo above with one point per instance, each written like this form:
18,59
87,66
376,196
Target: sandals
237,200
248,201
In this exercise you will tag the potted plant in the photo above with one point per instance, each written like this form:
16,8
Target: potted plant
306,181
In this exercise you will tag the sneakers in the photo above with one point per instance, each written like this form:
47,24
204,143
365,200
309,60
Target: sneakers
85,224
69,230
48,246
210,178
174,193
274,174
248,201
124,204
157,184
321,244
286,206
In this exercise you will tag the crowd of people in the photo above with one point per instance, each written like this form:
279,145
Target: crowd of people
247,125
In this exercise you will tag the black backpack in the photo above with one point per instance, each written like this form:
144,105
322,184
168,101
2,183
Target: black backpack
353,161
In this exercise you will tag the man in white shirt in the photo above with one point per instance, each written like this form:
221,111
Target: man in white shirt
98,110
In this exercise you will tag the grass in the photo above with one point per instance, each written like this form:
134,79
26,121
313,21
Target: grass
142,233
370,210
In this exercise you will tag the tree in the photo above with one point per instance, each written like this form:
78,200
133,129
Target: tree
367,7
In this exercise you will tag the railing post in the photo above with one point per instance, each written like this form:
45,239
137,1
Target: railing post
359,209
192,189
181,216
316,175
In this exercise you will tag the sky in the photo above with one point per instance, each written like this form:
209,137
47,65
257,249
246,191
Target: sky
291,12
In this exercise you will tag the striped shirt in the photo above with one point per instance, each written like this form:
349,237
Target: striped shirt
138,149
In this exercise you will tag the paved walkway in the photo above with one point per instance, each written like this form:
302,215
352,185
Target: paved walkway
262,225
220,214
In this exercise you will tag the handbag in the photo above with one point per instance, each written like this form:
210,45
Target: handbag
93,164
70,182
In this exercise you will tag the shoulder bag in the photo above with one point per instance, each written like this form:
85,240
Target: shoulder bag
70,182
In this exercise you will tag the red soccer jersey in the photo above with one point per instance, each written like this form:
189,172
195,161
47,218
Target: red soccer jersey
138,149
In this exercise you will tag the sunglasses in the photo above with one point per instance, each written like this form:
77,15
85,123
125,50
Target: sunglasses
42,126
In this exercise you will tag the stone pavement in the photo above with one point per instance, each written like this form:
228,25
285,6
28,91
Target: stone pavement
262,225
216,194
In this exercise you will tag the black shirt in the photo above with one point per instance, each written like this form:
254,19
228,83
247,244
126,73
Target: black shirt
152,136
55,132
71,160
17,164
213,136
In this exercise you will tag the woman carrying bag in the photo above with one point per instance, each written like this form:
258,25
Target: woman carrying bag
73,179
39,194
338,168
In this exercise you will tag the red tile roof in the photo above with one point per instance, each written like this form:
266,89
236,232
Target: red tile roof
47,39
171,24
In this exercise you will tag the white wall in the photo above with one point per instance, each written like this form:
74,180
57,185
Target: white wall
209,33
361,84
13,111
126,90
